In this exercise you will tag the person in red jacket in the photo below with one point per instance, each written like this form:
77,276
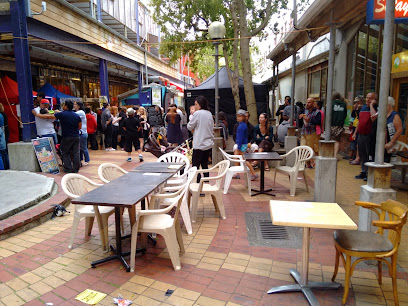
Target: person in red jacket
91,128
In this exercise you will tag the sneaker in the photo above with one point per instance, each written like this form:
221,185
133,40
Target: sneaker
85,164
236,176
107,149
129,159
361,176
365,179
202,195
254,177
140,158
112,149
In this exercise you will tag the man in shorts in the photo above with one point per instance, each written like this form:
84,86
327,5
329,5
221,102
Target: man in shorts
339,114
311,118
133,130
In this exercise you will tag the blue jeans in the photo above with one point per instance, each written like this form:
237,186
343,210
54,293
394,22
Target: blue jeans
83,147
53,136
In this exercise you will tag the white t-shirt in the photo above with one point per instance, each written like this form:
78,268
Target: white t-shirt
82,115
44,126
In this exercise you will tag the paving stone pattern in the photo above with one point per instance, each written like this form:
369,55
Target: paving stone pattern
219,266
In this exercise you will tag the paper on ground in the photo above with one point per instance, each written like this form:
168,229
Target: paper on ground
151,174
90,297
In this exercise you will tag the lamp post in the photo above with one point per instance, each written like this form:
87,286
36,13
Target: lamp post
216,31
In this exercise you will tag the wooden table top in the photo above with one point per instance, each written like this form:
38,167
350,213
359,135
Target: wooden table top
126,190
310,214
262,156
159,167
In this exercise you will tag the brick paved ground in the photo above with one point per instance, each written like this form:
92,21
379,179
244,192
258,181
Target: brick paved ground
218,268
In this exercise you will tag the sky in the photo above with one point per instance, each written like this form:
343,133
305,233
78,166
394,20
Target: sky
266,46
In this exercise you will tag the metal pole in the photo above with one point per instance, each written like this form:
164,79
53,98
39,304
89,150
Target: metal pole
273,93
330,76
147,78
292,101
385,81
216,44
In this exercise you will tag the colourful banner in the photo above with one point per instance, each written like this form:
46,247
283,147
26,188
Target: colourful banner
376,11
45,155
400,62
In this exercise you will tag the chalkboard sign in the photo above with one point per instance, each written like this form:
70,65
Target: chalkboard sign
153,117
46,155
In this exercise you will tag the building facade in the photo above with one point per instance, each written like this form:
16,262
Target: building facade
358,58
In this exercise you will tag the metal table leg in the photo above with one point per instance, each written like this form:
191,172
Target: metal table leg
262,183
303,285
118,250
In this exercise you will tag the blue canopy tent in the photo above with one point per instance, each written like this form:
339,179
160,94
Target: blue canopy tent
52,92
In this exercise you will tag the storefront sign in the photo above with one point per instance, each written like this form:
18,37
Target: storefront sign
156,96
376,11
399,62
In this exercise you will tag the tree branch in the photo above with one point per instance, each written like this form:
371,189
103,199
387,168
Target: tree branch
265,21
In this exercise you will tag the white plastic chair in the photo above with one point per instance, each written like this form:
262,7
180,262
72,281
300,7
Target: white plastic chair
232,170
205,187
397,161
302,154
174,157
165,198
160,222
74,185
108,172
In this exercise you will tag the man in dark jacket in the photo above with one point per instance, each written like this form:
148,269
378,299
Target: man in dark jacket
279,112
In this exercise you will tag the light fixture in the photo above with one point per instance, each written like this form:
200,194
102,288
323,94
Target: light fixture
216,30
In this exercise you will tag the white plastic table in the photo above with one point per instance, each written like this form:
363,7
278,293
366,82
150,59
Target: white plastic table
308,215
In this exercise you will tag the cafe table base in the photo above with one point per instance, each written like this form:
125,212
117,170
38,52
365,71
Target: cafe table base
262,183
303,285
119,255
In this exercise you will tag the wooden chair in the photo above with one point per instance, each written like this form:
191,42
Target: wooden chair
392,216
204,187
302,155
74,185
232,170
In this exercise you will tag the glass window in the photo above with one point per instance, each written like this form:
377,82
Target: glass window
315,83
360,63
372,60
401,43
403,104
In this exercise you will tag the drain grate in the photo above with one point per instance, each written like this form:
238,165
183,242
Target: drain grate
261,232
268,231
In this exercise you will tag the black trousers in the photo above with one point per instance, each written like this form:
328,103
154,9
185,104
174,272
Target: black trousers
70,154
364,150
108,136
92,141
200,158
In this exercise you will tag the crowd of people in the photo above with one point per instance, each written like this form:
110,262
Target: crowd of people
78,128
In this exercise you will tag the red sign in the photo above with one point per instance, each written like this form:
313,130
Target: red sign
401,9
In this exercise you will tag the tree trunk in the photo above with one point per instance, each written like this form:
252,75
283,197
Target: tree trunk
248,84
246,62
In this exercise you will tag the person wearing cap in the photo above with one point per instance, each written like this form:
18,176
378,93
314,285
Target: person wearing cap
70,126
133,130
45,127
242,141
